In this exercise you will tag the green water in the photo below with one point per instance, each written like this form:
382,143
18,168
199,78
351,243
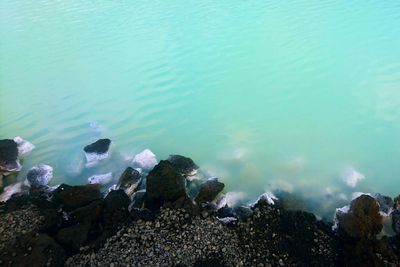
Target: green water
264,94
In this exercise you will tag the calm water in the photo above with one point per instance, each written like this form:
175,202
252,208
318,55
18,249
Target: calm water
264,94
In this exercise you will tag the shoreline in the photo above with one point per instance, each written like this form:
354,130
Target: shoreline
157,215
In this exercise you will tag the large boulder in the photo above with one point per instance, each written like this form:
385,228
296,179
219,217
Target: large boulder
40,175
209,190
145,160
73,237
362,220
129,181
163,184
9,161
115,207
183,165
97,151
386,203
76,196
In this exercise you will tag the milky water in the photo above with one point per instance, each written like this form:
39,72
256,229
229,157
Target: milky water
293,95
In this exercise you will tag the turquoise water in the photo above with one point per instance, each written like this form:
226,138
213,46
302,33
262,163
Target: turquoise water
264,94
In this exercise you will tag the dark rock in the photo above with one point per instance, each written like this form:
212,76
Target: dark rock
40,175
209,190
129,181
363,220
52,221
142,214
396,221
101,146
163,184
242,212
34,250
138,199
74,237
225,211
75,196
91,212
386,203
185,203
183,165
9,161
116,206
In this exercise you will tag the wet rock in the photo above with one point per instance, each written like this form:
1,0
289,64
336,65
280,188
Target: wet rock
265,199
163,184
183,165
142,214
24,147
396,221
129,181
74,237
242,212
362,221
75,196
146,160
91,212
209,190
11,190
225,211
34,250
40,175
115,207
9,162
138,199
386,203
100,178
97,151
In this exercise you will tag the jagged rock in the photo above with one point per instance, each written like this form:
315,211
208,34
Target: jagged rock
265,199
100,178
183,165
225,211
97,151
242,212
129,181
40,175
9,162
76,196
74,237
362,221
209,190
145,160
138,199
385,203
115,207
163,184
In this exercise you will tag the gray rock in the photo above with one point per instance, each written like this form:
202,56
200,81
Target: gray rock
209,190
40,175
9,162
129,181
183,165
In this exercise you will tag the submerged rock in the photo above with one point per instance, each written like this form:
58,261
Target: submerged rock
163,184
24,147
209,190
129,181
76,196
40,175
97,151
9,162
146,160
100,179
183,165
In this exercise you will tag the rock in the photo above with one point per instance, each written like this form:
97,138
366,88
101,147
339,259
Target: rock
76,196
362,221
90,213
209,190
386,204
267,198
146,160
40,175
24,147
129,181
225,211
183,165
100,178
163,184
74,237
396,221
227,220
97,151
11,190
138,199
115,207
35,250
242,212
9,162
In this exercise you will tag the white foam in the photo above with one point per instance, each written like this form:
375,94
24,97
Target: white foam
145,160
44,173
351,177
24,147
93,158
11,190
338,212
268,196
227,220
233,198
100,178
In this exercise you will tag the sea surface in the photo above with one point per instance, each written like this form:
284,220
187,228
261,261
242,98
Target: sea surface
301,96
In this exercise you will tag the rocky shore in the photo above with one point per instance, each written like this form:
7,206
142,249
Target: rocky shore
167,213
